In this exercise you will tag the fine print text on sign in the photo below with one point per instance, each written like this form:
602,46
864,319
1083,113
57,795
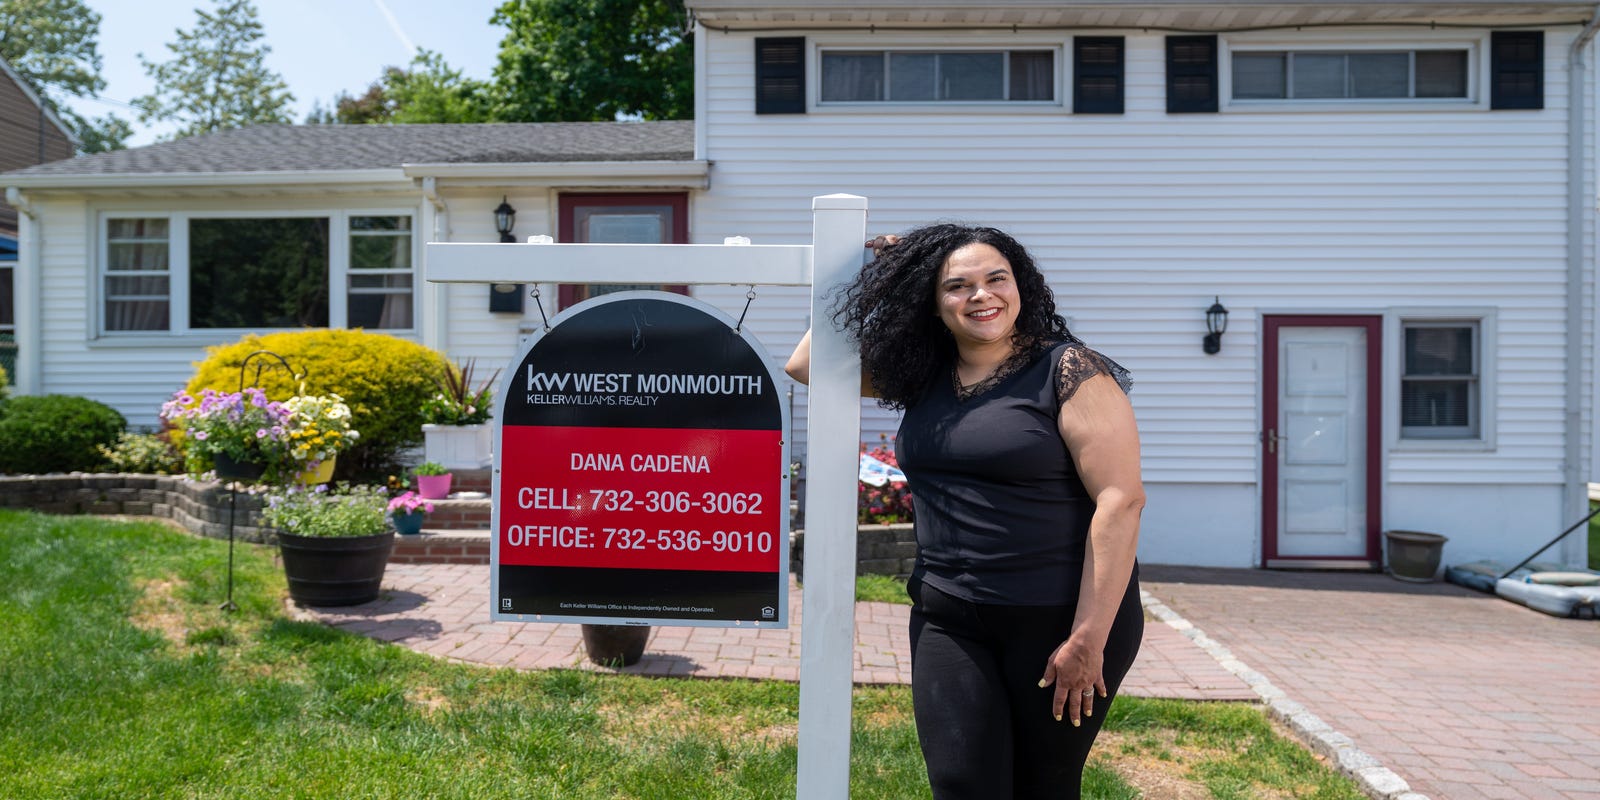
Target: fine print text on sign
641,472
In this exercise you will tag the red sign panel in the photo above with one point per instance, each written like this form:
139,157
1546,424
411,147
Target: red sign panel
641,471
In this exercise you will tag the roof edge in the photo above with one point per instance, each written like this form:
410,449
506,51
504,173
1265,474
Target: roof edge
204,179
560,169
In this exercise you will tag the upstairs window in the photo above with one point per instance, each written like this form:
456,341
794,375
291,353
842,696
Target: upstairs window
920,76
1354,75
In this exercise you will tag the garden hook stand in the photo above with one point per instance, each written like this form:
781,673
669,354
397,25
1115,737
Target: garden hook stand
233,485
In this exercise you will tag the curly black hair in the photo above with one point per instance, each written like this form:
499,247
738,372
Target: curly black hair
889,311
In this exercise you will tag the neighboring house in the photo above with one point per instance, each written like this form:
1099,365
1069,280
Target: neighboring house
30,133
1395,203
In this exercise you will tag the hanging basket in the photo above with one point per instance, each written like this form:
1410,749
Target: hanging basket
318,475
230,470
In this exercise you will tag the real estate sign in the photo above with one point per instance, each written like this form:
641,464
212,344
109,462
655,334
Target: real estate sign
641,471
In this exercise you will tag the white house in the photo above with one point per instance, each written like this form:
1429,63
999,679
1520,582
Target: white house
1394,202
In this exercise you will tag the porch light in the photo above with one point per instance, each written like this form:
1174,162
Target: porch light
1216,324
504,218
505,298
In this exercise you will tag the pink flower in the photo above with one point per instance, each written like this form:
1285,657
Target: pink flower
261,433
201,435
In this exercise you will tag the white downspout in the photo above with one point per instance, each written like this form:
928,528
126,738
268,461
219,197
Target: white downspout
434,327
29,295
1578,216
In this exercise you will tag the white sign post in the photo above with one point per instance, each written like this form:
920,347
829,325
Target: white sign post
839,225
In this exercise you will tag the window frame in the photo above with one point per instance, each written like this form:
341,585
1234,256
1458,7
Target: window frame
1483,409
1475,44
1061,74
178,268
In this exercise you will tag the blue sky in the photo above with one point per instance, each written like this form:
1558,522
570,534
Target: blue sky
320,47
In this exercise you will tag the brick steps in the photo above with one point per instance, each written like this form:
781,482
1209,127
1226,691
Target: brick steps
439,546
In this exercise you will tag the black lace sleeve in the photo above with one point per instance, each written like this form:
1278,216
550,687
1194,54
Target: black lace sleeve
1078,363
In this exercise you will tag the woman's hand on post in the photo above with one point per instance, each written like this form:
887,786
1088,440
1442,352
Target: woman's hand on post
1075,671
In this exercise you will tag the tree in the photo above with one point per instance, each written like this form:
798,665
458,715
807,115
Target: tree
54,46
430,91
579,60
217,77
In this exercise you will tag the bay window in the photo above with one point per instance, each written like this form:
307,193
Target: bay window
189,271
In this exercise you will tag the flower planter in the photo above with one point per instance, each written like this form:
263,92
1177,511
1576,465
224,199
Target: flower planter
408,524
334,571
1414,556
321,474
458,446
434,487
231,470
615,645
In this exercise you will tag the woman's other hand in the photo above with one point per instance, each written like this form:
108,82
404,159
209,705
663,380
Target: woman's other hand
1075,671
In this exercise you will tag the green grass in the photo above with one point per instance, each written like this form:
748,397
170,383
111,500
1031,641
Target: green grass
1594,541
881,589
122,679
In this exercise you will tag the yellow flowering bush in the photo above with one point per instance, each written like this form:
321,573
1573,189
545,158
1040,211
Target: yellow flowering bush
319,427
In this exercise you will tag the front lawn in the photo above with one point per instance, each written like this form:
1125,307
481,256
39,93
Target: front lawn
122,679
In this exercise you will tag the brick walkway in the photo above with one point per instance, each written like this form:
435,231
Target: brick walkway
1463,695
443,609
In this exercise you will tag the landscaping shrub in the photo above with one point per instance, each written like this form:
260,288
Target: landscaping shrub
55,433
383,379
5,384
143,454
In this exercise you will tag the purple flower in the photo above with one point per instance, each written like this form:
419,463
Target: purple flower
201,435
261,433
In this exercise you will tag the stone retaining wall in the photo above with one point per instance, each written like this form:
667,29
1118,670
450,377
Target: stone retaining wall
880,550
201,507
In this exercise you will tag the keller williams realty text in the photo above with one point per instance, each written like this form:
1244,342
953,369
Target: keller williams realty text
644,383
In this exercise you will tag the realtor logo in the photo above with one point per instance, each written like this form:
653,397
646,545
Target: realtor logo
767,612
505,604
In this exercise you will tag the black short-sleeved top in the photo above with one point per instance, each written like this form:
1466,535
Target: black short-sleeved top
1001,514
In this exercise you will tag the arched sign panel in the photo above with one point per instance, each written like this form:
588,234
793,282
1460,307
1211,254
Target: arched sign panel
641,471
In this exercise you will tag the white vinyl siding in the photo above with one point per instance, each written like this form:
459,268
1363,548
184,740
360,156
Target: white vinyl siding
1140,220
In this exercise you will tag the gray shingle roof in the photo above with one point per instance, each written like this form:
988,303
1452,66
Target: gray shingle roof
274,148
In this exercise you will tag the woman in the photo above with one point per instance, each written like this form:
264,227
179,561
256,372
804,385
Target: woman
1023,459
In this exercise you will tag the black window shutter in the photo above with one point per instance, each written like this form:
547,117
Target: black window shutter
1097,74
1191,74
781,75
1516,69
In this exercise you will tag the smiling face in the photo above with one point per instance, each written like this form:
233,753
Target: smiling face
977,297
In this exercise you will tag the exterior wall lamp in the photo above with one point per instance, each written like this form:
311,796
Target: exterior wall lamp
505,298
1216,324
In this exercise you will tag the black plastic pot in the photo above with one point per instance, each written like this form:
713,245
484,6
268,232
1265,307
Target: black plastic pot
230,470
335,571
615,645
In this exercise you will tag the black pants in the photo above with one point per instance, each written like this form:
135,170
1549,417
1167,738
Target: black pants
985,725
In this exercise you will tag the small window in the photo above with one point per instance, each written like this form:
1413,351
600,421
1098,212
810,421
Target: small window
1440,387
1357,75
381,275
138,277
884,76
